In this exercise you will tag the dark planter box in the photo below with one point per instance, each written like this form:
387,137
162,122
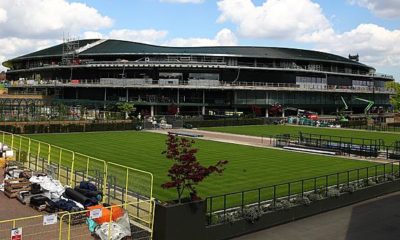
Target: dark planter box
241,227
180,221
188,220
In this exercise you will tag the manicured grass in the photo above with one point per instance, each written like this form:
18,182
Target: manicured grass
248,167
272,130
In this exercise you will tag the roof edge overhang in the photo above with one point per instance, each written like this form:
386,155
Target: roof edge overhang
8,63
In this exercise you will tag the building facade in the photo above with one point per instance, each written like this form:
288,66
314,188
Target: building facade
196,80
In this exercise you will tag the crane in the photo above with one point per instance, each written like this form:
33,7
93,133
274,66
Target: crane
369,106
346,107
342,114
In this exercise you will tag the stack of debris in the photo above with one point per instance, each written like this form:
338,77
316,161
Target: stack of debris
6,154
13,186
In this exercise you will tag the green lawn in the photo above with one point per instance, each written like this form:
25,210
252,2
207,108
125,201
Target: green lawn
249,167
272,130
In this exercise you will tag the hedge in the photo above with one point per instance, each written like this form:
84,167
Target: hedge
70,127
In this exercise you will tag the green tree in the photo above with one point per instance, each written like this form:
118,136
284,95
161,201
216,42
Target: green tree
395,99
126,108
187,172
63,111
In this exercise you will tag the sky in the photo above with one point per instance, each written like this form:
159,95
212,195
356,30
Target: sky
370,28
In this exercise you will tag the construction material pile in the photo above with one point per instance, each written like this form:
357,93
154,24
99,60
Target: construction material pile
44,193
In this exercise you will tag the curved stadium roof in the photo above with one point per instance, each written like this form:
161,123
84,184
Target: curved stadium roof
120,47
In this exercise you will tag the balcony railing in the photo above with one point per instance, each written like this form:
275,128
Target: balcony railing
206,64
202,85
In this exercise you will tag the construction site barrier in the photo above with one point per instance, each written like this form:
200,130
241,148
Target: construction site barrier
72,225
119,184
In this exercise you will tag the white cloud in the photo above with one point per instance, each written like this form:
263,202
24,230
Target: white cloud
92,35
279,19
150,36
303,21
12,47
145,36
182,1
381,8
3,15
376,45
225,37
48,18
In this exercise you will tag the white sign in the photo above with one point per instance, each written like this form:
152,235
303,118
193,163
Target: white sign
96,213
16,233
50,219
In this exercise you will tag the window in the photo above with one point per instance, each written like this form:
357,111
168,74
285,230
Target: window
359,83
310,80
166,75
204,76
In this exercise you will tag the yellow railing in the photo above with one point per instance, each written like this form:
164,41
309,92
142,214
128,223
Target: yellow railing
72,225
69,167
38,152
32,228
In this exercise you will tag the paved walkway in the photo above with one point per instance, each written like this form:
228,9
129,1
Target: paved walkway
375,219
247,140
223,137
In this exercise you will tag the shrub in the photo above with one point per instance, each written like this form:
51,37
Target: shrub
280,205
252,214
381,179
391,177
302,200
232,216
349,188
314,197
369,182
333,193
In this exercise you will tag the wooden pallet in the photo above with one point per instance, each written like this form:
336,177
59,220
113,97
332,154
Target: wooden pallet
12,187
13,193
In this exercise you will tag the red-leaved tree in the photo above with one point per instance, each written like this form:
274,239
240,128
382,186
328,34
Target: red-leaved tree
187,172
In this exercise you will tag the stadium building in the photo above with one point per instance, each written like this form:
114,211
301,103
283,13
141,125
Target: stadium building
196,80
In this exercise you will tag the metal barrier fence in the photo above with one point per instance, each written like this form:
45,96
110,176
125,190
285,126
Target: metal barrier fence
363,147
119,184
379,128
72,225
222,205
32,228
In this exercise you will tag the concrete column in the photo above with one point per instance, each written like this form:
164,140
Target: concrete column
235,101
105,97
266,112
127,95
178,101
104,104
152,111
203,108
283,113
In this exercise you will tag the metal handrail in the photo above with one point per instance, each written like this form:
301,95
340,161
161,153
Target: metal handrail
121,83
